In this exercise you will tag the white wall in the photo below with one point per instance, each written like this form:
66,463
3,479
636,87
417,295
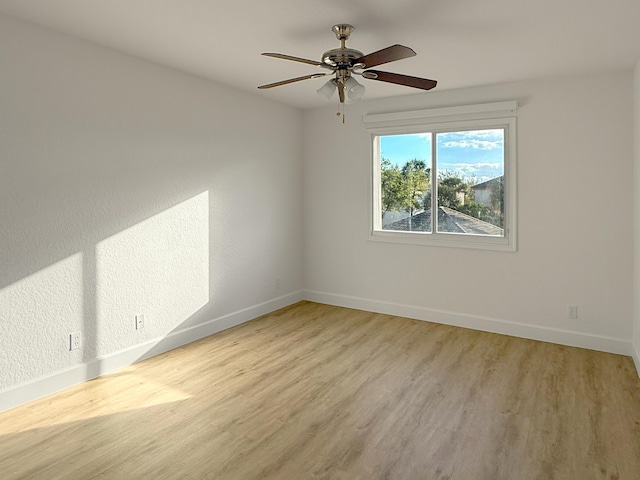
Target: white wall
129,188
575,209
636,217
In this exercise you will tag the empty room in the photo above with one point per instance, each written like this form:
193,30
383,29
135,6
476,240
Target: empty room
319,240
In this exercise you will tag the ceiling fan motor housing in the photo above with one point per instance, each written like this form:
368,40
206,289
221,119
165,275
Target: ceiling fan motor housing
342,58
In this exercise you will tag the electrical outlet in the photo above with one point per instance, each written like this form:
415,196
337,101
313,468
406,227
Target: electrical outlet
140,321
572,311
74,341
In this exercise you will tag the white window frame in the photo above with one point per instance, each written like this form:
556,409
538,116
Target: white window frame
470,117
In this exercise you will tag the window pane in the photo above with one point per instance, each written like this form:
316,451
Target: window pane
470,169
405,178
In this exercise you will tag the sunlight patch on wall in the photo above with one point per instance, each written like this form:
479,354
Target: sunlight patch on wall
36,315
159,268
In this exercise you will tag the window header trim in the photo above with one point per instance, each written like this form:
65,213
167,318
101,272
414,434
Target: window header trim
433,115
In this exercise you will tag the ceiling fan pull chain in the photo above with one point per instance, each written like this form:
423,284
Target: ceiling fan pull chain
341,114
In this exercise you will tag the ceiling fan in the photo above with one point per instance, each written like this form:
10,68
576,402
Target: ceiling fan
344,62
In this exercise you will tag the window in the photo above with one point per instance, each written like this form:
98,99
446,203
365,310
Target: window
445,176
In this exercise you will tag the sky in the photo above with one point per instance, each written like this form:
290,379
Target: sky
476,155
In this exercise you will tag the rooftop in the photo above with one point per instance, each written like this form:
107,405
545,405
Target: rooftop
449,221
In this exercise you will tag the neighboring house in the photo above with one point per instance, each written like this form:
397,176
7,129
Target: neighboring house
482,191
449,221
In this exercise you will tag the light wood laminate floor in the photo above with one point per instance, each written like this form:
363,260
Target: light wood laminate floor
320,392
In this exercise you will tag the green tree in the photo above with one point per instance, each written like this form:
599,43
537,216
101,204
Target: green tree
479,211
416,176
451,188
392,184
496,198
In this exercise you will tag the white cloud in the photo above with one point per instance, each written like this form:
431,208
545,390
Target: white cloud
479,172
477,139
475,144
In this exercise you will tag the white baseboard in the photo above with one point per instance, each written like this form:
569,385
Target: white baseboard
635,354
55,382
475,322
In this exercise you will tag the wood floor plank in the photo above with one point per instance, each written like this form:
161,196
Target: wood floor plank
320,392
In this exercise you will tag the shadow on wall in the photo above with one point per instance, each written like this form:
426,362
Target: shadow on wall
158,268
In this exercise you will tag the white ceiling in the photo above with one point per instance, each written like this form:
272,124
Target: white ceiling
460,43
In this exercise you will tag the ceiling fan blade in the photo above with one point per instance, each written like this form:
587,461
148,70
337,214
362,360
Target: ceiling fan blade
295,59
291,80
386,55
416,82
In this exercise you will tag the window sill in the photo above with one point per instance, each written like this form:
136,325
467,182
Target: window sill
453,240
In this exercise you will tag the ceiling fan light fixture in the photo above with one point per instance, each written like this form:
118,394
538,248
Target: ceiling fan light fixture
351,101
327,90
354,89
